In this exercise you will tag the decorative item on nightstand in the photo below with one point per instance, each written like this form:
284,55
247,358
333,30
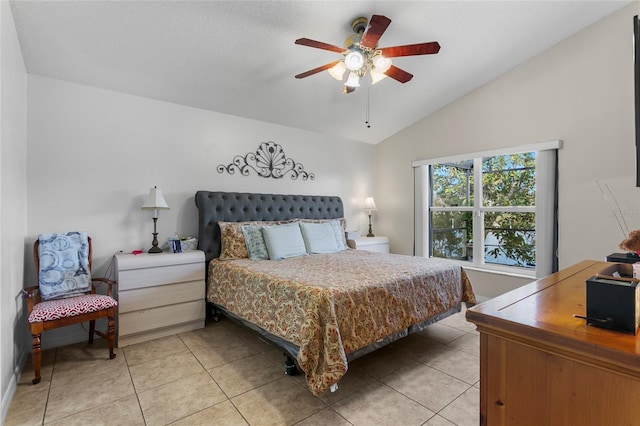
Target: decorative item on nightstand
370,205
155,201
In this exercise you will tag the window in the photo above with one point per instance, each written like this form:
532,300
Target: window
494,210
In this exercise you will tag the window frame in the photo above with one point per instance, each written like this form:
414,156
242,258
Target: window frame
544,209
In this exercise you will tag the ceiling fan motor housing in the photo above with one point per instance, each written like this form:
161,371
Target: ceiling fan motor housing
359,25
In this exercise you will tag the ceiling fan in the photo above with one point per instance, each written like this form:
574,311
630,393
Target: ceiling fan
362,55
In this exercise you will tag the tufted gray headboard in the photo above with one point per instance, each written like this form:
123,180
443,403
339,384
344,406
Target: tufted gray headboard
216,206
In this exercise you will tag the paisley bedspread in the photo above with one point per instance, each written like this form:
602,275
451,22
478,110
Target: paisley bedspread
330,305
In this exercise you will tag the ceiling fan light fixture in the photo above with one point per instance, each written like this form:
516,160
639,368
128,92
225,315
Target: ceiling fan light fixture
337,71
353,80
376,76
381,64
354,60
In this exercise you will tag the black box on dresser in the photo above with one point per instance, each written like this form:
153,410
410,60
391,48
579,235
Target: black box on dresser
613,299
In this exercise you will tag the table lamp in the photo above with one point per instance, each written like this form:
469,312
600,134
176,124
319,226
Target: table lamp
370,205
155,201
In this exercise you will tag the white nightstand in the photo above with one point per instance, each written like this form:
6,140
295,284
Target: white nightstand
159,294
380,244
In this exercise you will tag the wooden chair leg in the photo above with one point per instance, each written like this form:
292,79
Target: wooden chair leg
111,332
92,330
36,355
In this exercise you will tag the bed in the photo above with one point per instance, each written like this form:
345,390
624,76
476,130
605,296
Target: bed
323,309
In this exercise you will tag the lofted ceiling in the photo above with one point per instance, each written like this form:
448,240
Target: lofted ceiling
239,57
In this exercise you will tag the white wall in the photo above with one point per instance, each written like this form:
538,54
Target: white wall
93,155
580,91
13,136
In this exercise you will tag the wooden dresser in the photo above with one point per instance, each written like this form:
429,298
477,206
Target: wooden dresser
541,366
159,294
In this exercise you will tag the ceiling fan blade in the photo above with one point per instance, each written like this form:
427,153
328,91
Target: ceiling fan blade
377,26
316,70
319,45
398,74
411,49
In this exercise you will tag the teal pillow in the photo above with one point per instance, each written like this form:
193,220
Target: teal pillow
254,240
319,237
284,241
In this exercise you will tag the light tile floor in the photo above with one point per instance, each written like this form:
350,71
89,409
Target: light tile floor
225,374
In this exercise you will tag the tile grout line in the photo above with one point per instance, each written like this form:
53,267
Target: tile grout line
135,391
74,413
53,368
451,402
214,381
272,362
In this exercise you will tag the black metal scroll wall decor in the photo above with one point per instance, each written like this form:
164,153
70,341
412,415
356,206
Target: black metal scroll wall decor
269,161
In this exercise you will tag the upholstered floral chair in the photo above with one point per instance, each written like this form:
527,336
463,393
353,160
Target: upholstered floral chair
66,292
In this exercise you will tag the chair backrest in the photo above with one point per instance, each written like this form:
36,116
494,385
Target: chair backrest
63,264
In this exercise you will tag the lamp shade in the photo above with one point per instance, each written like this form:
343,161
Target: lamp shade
354,60
337,71
353,80
381,64
376,76
155,200
369,204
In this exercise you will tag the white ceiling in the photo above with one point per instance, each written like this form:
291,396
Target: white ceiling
239,57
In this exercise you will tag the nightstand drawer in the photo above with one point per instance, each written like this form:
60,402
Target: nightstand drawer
379,244
163,316
169,294
161,275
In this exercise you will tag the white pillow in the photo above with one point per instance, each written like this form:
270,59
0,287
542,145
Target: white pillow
284,241
338,226
319,237
338,231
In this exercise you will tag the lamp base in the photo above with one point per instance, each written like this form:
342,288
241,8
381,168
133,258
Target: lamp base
370,234
154,244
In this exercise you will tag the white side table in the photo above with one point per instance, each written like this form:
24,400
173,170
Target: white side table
159,294
379,244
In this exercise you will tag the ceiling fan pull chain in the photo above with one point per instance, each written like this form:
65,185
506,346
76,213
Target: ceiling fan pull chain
367,111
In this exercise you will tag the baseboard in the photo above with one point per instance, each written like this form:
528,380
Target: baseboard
13,385
7,397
